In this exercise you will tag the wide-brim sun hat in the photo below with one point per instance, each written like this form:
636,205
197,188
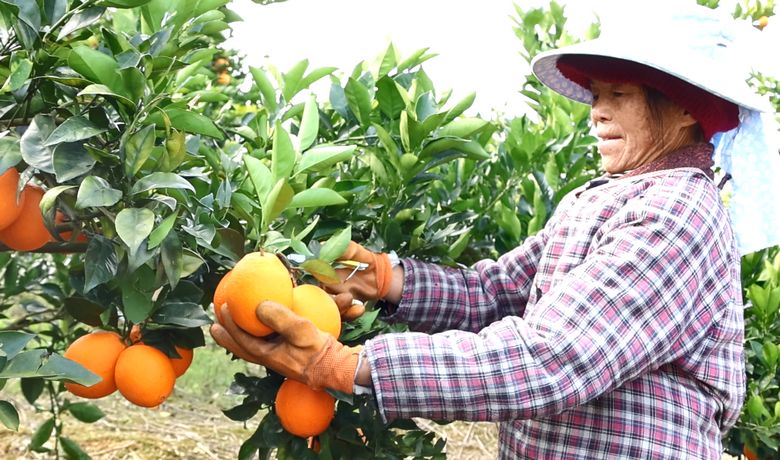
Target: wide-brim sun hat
691,43
697,46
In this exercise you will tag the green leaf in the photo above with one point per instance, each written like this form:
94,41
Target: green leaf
161,180
71,160
10,153
321,270
97,67
322,157
282,154
336,245
85,412
391,103
192,122
315,198
100,263
29,23
278,199
85,310
137,303
80,20
359,101
20,72
171,255
310,123
138,148
266,88
464,127
460,107
72,450
42,434
292,79
261,177
158,234
95,192
133,225
315,75
103,90
13,342
74,129
34,150
182,314
124,3
9,416
471,149
32,388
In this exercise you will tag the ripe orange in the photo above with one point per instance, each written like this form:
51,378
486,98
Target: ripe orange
144,375
223,78
763,21
180,365
28,231
317,306
257,277
303,411
220,295
9,208
98,352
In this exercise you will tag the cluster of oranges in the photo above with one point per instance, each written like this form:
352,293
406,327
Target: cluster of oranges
21,221
257,277
221,65
144,375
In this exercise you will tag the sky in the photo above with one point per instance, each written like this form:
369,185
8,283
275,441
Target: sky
474,39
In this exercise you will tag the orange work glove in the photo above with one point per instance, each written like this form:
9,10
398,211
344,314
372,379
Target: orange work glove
372,283
348,307
300,351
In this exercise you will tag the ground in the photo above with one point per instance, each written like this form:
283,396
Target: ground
190,425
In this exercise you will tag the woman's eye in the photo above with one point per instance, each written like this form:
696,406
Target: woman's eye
595,97
617,93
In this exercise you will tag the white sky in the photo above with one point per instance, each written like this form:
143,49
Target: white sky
476,46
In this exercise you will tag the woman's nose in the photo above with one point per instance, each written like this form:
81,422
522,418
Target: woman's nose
599,111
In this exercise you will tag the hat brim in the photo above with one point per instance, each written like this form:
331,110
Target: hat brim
544,67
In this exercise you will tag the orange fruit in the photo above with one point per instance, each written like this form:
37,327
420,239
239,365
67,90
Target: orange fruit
317,306
303,411
98,352
763,21
180,365
257,277
28,231
9,207
223,78
144,375
220,295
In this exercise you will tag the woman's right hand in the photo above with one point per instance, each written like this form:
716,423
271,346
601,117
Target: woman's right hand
365,275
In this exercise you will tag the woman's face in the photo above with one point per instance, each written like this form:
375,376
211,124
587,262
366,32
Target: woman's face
629,136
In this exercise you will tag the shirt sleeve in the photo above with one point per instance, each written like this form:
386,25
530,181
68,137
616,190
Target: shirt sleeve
437,298
634,304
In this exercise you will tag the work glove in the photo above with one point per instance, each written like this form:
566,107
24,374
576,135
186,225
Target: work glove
300,351
370,283
349,307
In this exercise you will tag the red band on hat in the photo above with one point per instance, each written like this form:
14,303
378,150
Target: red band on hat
713,113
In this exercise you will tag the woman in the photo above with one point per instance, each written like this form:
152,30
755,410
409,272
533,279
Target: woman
616,331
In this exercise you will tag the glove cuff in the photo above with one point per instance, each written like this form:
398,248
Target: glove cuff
384,274
334,367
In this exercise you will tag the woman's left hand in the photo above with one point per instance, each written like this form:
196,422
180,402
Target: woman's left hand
300,351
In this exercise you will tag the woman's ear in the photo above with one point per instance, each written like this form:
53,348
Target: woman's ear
686,119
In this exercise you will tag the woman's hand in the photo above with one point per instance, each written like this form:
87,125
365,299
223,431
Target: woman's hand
300,351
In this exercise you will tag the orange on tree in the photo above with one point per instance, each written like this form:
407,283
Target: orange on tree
223,78
98,352
317,306
182,363
220,295
144,375
9,207
302,410
257,277
763,21
27,232
61,218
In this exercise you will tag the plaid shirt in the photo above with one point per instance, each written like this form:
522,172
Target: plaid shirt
615,332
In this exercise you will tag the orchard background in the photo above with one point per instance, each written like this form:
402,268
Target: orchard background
168,159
